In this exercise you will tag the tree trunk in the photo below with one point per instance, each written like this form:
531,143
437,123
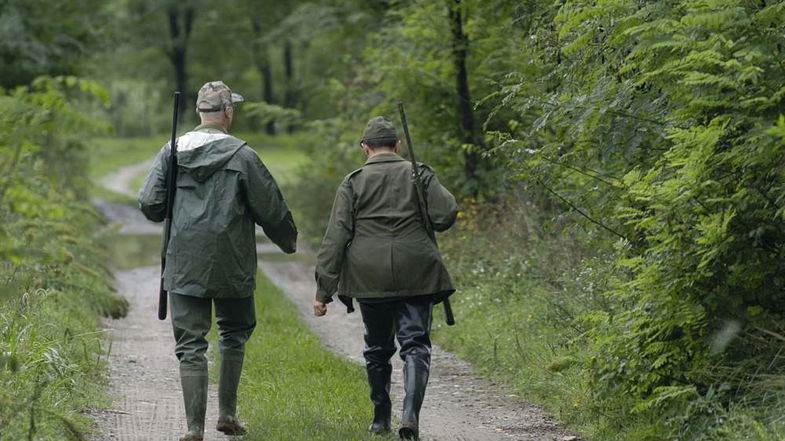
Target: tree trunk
288,63
180,23
262,62
460,51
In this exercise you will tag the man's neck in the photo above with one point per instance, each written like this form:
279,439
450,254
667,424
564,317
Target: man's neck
380,151
214,125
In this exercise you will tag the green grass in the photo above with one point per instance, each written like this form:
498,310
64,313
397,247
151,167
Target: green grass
282,154
292,387
110,154
51,365
97,191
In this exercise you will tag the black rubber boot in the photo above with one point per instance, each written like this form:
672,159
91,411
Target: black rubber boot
379,380
415,379
229,380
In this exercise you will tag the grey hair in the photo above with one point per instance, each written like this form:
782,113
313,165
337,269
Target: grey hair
214,115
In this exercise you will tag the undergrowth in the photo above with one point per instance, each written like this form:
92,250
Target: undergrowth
53,285
530,292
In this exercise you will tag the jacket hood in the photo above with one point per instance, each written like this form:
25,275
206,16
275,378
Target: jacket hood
201,154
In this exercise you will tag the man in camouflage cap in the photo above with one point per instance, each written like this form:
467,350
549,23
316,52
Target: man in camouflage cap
223,189
376,250
216,96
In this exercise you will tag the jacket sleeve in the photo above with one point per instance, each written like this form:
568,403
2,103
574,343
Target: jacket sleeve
340,231
442,208
152,196
267,205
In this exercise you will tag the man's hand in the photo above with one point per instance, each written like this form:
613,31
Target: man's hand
319,308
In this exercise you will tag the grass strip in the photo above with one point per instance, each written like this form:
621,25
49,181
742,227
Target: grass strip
292,387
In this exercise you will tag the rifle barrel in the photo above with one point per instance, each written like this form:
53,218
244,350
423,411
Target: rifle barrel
171,185
421,205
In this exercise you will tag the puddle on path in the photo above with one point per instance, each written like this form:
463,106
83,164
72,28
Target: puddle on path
129,251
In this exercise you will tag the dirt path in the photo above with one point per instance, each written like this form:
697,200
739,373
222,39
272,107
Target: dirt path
459,406
120,181
144,378
143,371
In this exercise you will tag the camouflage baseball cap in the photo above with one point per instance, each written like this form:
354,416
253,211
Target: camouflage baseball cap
379,128
215,96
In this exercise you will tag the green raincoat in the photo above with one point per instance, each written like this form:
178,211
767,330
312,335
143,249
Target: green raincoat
375,245
223,188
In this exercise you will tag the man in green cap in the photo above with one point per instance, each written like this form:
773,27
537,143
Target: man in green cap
223,189
376,250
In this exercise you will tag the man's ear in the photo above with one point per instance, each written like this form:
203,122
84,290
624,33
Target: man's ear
229,111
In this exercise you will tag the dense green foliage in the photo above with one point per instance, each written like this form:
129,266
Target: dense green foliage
52,283
39,37
699,207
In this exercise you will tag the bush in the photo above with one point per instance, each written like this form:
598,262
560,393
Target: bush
52,282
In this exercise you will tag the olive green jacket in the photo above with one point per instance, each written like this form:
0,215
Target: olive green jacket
223,188
375,245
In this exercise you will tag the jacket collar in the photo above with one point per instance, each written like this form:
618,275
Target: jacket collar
210,126
384,157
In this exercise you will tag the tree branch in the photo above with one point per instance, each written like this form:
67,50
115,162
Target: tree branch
581,212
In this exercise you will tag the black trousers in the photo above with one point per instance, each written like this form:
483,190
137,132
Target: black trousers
407,319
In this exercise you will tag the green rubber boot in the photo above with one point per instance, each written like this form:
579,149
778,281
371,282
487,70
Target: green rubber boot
195,399
231,368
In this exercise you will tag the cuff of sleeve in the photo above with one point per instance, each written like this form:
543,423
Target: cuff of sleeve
323,297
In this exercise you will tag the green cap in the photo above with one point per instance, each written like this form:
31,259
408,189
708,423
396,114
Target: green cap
379,128
215,96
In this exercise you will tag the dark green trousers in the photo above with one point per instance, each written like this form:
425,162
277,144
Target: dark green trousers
191,321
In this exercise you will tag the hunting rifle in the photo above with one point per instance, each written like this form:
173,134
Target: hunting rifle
171,186
422,205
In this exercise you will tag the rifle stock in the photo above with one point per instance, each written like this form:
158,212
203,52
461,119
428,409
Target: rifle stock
171,186
421,204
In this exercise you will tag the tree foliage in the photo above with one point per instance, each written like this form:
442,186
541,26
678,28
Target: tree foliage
38,37
664,121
